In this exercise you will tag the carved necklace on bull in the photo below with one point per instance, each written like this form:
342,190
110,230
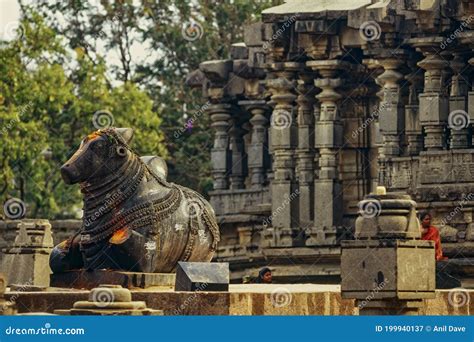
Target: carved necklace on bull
101,199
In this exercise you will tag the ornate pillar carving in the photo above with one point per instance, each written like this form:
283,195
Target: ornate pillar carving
305,152
391,115
434,105
412,117
217,73
237,151
258,149
283,141
458,119
328,139
220,153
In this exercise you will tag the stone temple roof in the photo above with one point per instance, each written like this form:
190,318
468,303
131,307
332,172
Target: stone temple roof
316,6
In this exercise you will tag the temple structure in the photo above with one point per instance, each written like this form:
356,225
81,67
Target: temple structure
324,101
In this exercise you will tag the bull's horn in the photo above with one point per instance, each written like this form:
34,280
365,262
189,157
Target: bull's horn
125,133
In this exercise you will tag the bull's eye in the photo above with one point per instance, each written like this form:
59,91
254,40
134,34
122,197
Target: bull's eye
121,151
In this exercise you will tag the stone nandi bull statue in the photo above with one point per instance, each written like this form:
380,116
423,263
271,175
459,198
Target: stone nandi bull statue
133,218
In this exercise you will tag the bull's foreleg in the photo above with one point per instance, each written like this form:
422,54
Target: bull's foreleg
66,256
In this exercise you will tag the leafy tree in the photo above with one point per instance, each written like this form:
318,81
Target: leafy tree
158,29
48,97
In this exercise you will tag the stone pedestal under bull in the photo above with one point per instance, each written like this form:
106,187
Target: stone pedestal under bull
134,219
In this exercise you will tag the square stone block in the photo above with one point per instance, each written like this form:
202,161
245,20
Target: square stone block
434,109
397,269
328,134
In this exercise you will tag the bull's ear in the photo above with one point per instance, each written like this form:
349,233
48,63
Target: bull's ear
125,133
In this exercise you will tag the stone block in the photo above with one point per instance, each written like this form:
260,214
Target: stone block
239,51
386,269
253,34
217,70
434,109
26,261
202,276
328,134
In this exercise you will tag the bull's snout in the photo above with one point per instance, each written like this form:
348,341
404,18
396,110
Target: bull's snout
68,174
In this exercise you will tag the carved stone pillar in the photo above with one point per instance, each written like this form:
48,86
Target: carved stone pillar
328,138
283,140
412,115
458,119
258,149
391,115
217,73
305,151
220,153
237,151
434,105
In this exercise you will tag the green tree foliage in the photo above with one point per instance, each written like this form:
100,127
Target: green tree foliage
48,97
157,27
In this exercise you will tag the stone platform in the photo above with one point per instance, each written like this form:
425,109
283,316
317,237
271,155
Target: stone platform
242,299
83,279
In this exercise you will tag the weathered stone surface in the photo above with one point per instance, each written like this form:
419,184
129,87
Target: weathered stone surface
83,279
26,261
108,300
199,276
242,300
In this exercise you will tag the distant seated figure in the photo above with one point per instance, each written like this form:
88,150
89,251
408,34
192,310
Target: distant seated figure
430,232
264,276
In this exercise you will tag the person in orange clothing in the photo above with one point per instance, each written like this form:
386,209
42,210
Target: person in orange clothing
430,232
